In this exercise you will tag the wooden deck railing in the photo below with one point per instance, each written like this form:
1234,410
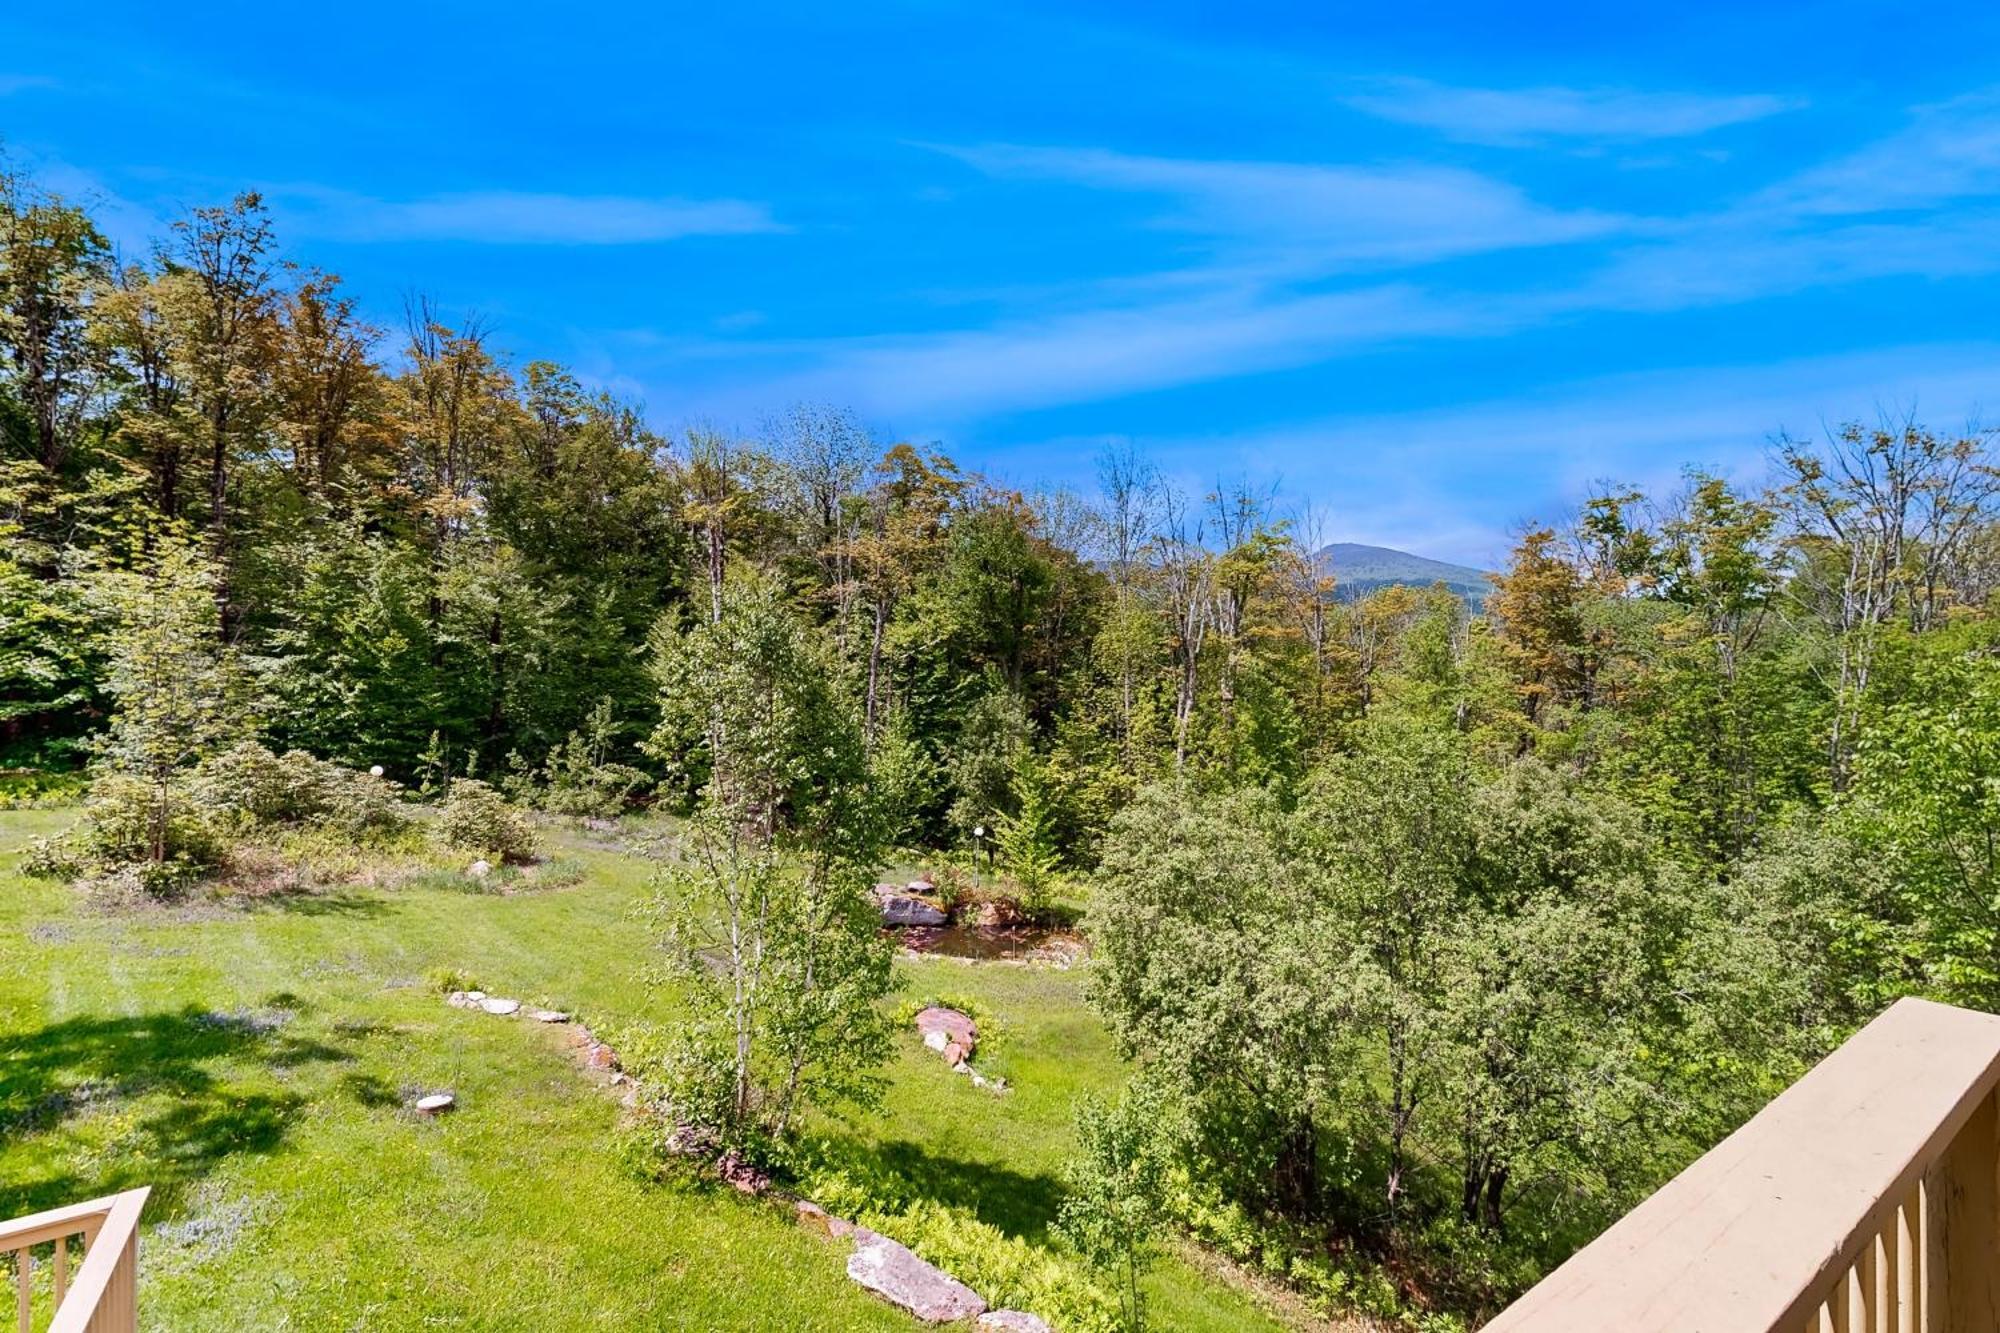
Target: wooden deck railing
95,1289
1864,1199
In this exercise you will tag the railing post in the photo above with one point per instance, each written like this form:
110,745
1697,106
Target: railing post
1962,1229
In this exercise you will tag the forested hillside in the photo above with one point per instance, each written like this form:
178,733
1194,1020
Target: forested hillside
1439,936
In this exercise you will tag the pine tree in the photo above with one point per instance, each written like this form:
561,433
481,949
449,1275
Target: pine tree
1027,839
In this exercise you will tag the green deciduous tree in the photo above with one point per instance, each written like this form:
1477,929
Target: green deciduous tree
766,906
177,689
1117,1183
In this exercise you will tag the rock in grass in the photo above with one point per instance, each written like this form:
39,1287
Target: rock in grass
548,1015
465,999
944,1028
901,909
437,1103
1013,1321
894,1273
818,1220
480,869
494,1004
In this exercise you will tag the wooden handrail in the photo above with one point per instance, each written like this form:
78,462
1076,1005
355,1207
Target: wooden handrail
1863,1197
104,1296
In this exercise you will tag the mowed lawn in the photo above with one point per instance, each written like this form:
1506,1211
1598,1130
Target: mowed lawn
252,1065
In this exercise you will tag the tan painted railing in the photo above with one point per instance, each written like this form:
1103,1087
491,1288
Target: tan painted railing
95,1289
1864,1199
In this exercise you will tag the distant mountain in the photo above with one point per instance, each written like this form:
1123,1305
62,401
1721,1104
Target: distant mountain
1359,570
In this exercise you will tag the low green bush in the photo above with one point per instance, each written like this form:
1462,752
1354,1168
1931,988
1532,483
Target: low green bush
1007,1271
121,821
478,819
242,792
255,787
445,980
41,788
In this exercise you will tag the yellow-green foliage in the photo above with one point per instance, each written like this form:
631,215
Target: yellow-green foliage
1005,1270
477,818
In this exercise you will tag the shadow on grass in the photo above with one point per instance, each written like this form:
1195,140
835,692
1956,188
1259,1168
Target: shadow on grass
370,1090
345,903
170,1081
1019,1204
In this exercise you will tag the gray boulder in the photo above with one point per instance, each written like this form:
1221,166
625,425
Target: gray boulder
1014,1321
892,1272
900,909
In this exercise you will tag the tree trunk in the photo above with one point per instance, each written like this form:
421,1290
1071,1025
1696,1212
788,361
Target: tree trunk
715,570
1401,1108
1297,1171
874,670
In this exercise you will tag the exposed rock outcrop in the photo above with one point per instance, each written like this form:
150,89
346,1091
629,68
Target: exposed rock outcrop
896,1274
1013,1321
904,909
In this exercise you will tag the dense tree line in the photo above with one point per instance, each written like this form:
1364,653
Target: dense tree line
1449,929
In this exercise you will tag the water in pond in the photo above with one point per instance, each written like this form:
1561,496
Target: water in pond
989,943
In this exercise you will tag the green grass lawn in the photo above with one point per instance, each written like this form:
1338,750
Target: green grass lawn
251,1064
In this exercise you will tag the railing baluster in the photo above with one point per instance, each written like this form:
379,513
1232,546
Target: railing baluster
1868,1307
1838,1305
62,1269
24,1288
1892,1267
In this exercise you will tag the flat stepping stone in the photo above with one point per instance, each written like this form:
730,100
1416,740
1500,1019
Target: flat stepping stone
435,1104
493,1004
465,999
896,1274
1013,1321
548,1015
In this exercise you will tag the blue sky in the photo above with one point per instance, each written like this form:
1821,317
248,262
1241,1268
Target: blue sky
1435,267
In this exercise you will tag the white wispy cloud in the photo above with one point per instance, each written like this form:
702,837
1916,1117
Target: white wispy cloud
1099,353
1948,151
518,217
1527,115
1746,257
1277,289
1340,213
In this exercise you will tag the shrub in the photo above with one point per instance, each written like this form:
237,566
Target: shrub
1006,1270
40,788
364,806
249,785
259,787
951,886
51,858
477,818
445,980
582,778
117,834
